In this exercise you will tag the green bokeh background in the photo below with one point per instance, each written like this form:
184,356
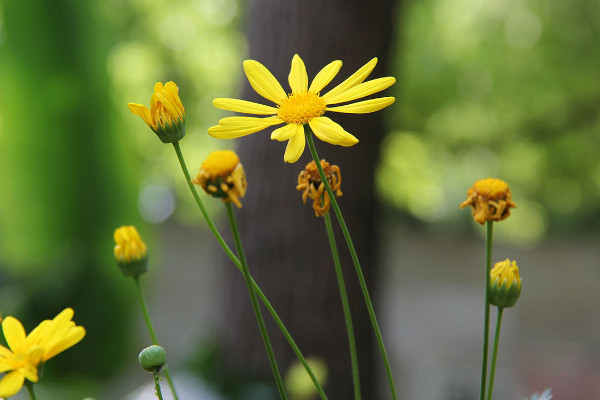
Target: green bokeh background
506,89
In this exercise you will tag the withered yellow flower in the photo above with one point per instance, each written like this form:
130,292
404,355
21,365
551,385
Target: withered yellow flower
304,105
309,181
490,200
222,175
21,360
166,116
505,284
131,252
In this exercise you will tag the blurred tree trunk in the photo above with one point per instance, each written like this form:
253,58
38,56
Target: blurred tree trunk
286,245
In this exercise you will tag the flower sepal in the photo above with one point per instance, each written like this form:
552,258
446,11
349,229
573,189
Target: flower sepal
171,133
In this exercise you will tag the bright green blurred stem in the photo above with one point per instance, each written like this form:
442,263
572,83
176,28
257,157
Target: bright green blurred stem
486,327
146,313
29,386
345,305
255,306
237,263
495,353
359,273
157,385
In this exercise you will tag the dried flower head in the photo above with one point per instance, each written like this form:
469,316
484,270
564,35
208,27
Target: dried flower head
505,284
490,200
166,116
309,181
222,175
130,251
305,105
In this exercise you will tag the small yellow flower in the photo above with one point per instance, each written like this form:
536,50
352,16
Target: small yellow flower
166,116
130,251
309,181
21,361
505,284
304,105
490,200
222,175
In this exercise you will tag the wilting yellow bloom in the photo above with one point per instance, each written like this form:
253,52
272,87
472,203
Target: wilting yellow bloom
490,200
304,105
505,284
222,175
21,361
309,181
130,251
166,116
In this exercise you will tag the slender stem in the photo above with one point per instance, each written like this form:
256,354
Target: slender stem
150,326
359,273
259,318
345,305
29,386
157,385
495,353
486,326
238,265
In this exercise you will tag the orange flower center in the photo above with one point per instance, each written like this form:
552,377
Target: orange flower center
491,188
300,108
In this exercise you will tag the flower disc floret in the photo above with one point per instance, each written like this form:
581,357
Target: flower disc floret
300,108
303,106
490,200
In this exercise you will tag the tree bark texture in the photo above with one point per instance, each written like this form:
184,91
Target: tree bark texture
286,245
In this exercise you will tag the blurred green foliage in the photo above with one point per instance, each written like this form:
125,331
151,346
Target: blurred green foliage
505,89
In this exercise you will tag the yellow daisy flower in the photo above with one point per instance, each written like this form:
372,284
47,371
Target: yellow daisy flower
48,339
304,105
166,116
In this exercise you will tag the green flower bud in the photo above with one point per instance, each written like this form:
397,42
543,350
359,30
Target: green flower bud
152,358
130,251
505,284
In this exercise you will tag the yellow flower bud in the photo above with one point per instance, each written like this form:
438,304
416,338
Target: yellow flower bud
166,116
222,175
309,181
505,284
490,200
130,251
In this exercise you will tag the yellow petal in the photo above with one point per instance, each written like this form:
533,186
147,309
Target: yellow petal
353,80
142,111
243,106
298,78
325,76
68,339
234,127
331,132
295,146
263,81
363,107
11,384
14,333
363,90
285,132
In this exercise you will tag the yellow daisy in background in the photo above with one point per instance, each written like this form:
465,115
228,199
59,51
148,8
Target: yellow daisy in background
26,352
304,105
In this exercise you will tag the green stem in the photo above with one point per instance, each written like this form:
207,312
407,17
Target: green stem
359,273
29,386
495,353
157,385
238,265
259,318
486,327
150,326
345,305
